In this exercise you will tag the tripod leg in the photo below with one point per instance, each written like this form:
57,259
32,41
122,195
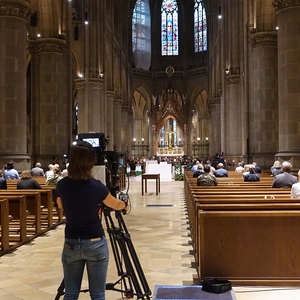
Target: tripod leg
60,290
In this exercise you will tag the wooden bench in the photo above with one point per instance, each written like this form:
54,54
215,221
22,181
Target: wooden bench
4,222
250,247
216,213
18,214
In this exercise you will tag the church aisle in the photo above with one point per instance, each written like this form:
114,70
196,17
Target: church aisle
158,227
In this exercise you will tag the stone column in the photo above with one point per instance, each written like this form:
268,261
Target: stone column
215,119
13,119
117,125
232,135
288,21
264,137
49,97
124,128
110,118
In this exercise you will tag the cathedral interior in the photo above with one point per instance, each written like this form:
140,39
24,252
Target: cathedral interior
159,78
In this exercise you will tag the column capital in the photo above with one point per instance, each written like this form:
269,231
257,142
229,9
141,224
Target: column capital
79,84
47,45
96,83
264,39
281,4
15,8
233,79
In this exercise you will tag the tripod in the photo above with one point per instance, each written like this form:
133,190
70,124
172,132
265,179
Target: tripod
133,281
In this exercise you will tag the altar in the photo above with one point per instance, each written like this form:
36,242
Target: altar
170,151
164,169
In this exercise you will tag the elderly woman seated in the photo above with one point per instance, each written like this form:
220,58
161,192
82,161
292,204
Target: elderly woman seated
27,182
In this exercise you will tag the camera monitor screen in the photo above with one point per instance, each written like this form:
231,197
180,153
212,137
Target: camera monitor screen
93,141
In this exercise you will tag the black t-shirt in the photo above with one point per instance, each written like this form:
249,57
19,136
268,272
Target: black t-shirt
81,200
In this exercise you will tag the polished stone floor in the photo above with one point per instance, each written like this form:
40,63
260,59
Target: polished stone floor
158,226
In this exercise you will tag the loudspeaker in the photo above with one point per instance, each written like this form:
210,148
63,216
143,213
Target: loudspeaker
33,20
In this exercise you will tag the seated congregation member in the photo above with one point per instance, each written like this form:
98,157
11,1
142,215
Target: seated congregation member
257,167
207,178
195,166
27,182
199,171
284,180
11,173
251,176
53,175
239,168
295,191
221,172
276,168
3,183
37,170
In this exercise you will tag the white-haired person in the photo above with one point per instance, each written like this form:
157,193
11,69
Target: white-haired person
284,180
295,190
37,170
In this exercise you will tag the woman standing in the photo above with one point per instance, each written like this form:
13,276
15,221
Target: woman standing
81,196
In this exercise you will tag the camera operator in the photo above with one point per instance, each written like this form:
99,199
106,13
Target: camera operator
81,196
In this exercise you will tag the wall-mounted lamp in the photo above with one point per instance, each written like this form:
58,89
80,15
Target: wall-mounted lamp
80,75
86,19
101,74
227,71
38,35
142,139
277,28
206,138
134,139
219,14
198,139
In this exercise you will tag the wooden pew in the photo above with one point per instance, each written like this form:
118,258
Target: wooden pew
4,222
33,206
224,202
18,213
250,247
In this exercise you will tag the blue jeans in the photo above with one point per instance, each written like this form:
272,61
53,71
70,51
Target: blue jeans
75,255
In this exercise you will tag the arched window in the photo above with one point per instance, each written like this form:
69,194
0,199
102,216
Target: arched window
141,35
200,26
169,27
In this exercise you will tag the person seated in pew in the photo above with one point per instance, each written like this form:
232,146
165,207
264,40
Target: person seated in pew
276,168
27,182
257,167
3,183
199,171
284,180
37,170
295,191
221,172
11,173
239,168
251,176
207,179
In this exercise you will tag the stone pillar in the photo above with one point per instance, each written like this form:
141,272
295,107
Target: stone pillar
124,128
264,128
13,119
288,21
232,135
117,125
215,119
49,97
110,118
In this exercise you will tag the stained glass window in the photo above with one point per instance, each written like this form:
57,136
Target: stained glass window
200,26
141,34
169,27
